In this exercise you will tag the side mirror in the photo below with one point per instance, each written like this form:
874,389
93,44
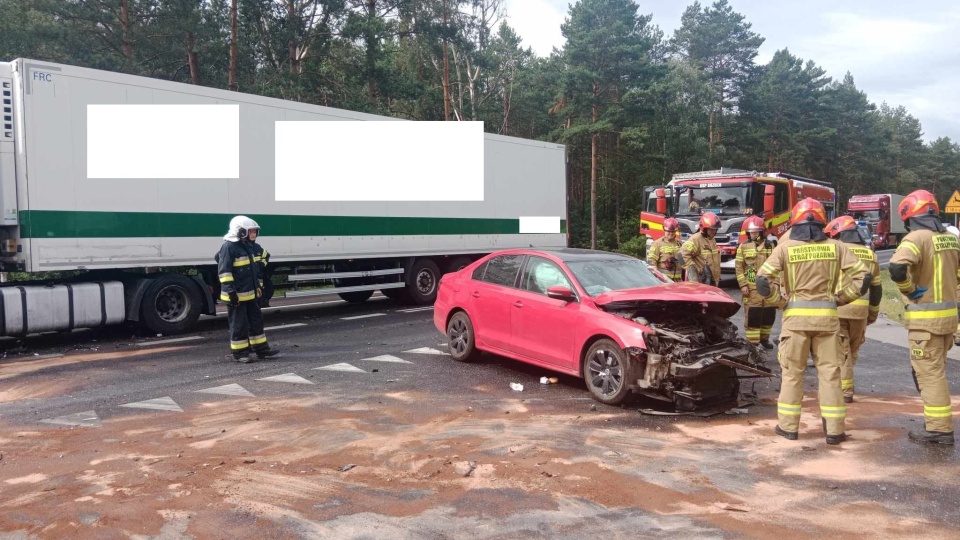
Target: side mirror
561,293
768,201
661,197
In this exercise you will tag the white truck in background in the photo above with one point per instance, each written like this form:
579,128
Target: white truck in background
142,249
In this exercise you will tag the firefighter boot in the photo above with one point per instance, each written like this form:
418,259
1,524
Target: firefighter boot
268,353
789,435
765,343
833,439
242,356
936,437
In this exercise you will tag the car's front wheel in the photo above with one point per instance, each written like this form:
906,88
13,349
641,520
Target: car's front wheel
605,371
461,340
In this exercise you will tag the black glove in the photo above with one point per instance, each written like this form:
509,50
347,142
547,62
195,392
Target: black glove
763,286
234,299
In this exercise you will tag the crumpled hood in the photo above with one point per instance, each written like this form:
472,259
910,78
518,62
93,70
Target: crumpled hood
685,296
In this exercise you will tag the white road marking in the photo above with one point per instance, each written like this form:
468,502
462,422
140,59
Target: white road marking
427,350
415,310
386,358
228,390
342,367
158,404
362,316
282,326
165,341
85,419
287,378
273,309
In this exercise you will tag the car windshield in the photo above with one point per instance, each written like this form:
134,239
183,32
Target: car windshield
604,275
867,215
732,200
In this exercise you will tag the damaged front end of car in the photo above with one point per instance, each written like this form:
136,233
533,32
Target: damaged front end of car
693,355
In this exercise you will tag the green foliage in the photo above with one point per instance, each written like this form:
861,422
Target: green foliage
640,105
635,247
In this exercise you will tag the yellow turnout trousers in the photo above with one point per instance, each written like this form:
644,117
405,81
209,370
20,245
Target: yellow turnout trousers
795,348
853,332
928,356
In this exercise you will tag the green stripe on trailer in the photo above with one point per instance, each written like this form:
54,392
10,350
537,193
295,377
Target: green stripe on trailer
69,224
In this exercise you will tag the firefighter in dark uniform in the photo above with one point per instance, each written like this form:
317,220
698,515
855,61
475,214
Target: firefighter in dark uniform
926,268
239,268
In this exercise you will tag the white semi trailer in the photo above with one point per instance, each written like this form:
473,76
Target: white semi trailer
142,249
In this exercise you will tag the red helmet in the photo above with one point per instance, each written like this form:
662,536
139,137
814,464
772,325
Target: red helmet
751,224
671,225
840,224
709,220
808,211
920,202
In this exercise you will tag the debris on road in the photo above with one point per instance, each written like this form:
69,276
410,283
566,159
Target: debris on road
737,411
516,386
248,461
464,468
347,467
544,380
731,508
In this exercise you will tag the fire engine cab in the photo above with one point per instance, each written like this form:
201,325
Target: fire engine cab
733,195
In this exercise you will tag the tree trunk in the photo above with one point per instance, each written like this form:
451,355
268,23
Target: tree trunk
292,43
371,56
127,40
232,76
446,69
593,174
192,60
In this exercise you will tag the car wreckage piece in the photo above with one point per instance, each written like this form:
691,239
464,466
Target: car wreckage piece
692,357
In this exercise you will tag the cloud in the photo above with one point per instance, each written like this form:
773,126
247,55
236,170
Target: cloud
538,23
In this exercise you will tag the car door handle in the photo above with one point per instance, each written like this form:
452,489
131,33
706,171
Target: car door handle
475,294
518,304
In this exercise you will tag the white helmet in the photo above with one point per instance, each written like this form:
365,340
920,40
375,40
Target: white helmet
955,231
239,228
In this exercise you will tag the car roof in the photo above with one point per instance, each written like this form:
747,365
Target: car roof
577,254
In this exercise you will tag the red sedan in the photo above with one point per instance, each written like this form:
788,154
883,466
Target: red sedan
604,317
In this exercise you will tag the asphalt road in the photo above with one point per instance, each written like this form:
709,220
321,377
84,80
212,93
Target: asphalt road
104,432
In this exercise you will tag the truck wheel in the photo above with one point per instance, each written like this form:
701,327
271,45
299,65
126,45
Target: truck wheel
356,297
605,372
422,283
394,293
170,305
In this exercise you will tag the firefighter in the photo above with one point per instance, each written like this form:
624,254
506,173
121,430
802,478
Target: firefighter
239,267
956,337
699,255
926,268
754,249
857,315
663,252
816,275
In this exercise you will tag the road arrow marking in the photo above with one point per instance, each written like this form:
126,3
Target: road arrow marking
158,404
288,378
427,350
386,358
342,367
85,419
228,390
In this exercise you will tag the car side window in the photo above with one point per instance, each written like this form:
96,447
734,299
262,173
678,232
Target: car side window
503,270
542,274
478,273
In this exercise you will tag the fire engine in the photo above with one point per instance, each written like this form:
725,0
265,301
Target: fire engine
733,195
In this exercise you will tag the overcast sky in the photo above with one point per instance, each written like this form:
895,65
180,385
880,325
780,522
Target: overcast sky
904,53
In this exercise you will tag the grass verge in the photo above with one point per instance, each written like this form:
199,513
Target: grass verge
891,305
